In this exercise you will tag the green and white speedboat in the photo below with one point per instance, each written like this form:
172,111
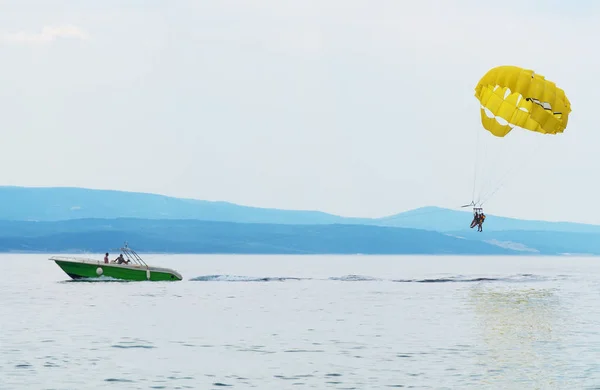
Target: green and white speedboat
135,269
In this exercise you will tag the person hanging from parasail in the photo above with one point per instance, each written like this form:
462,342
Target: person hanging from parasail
478,218
481,220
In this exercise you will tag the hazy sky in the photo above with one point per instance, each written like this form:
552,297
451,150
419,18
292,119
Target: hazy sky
359,108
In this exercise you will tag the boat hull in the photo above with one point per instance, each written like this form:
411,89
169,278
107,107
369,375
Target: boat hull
83,269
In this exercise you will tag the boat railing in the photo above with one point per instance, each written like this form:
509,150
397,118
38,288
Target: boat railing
129,254
88,260
132,256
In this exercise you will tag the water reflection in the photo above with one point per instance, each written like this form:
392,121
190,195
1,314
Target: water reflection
520,332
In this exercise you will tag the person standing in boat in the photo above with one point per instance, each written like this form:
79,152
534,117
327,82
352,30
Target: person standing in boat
106,258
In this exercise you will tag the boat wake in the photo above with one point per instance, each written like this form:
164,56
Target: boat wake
518,278
355,278
469,279
235,278
99,279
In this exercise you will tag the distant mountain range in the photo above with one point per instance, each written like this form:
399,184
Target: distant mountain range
77,219
193,236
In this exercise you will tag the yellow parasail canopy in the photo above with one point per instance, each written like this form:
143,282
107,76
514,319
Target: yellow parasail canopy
518,97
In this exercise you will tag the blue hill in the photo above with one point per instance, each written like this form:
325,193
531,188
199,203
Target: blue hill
65,203
60,219
545,242
193,236
447,220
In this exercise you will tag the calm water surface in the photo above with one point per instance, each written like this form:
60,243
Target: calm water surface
319,322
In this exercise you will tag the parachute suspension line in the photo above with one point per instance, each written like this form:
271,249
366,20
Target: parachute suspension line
523,164
476,163
484,163
480,163
485,185
485,197
496,181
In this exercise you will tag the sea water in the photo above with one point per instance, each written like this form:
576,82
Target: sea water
317,322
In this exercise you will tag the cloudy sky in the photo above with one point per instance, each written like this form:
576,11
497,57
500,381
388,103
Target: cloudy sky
359,108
